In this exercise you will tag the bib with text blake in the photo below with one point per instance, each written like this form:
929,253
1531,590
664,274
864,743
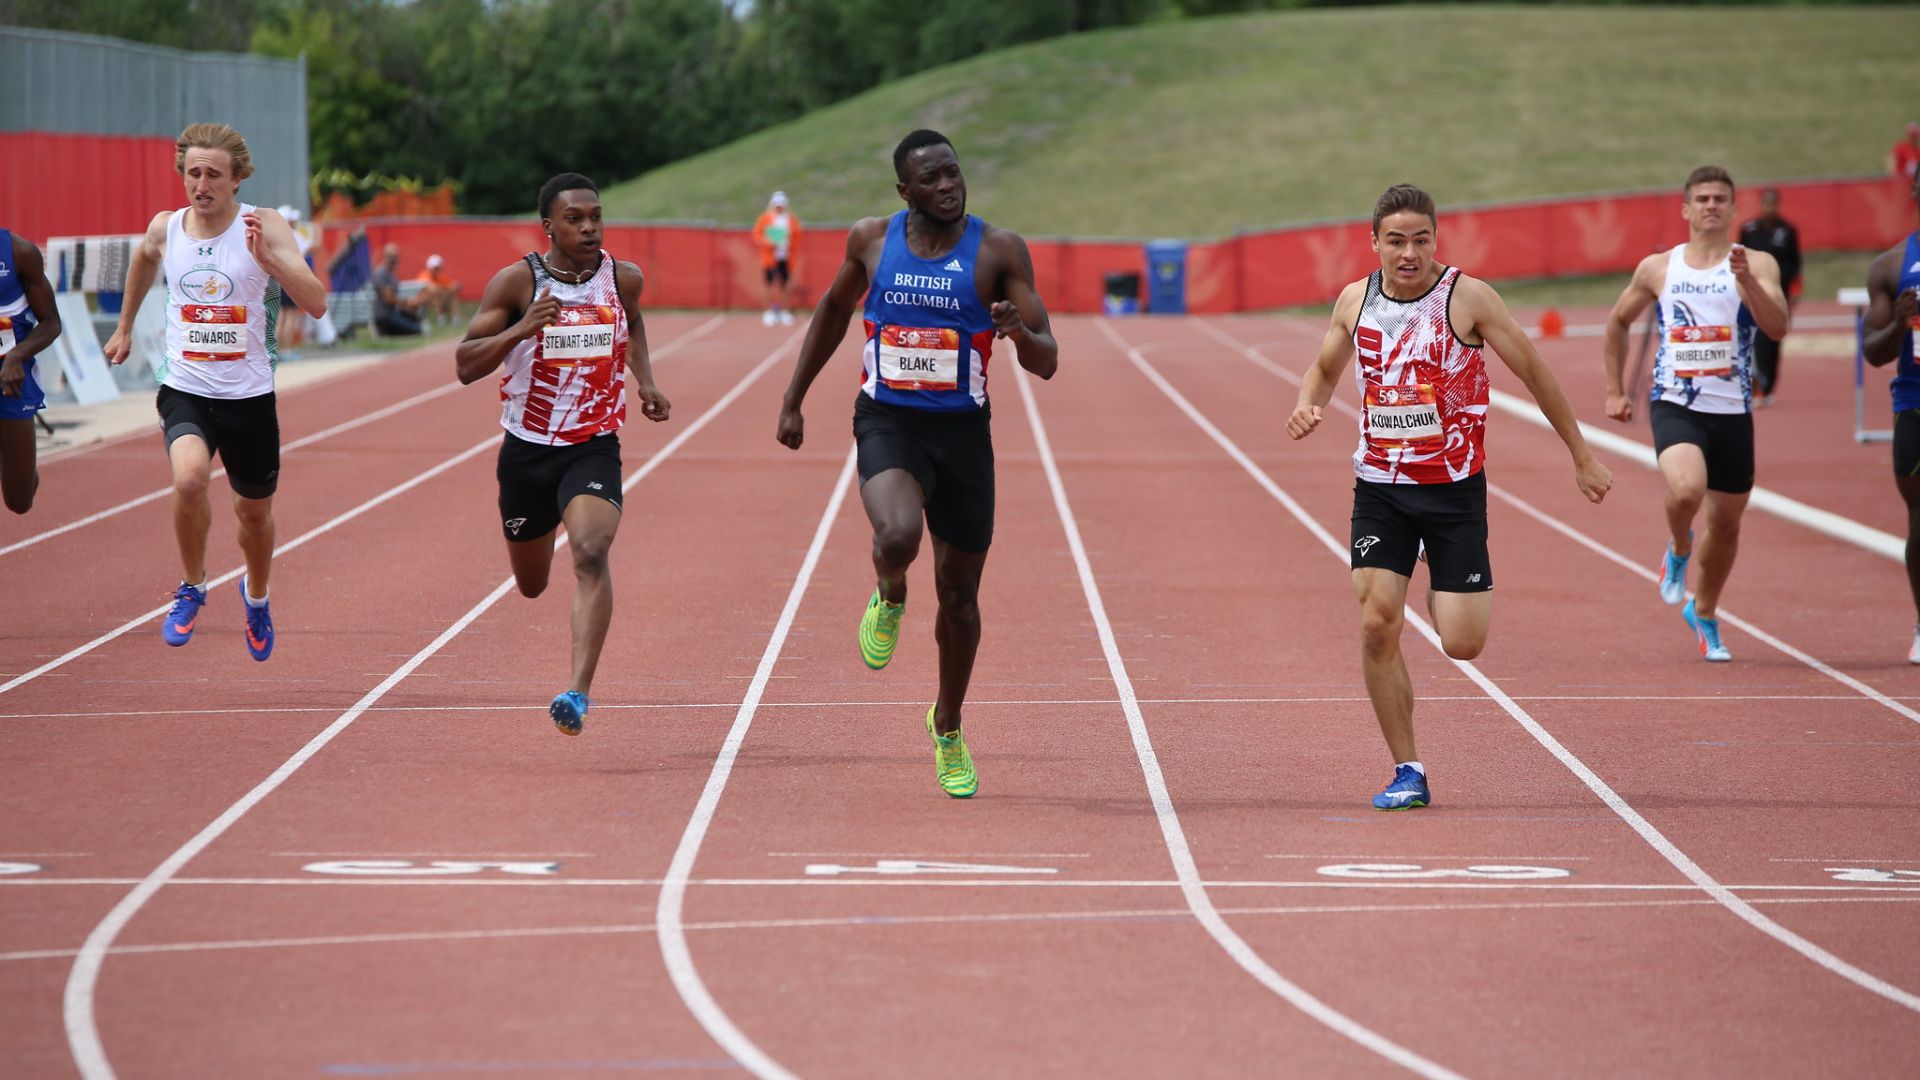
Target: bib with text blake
919,359
579,335
214,332
1914,326
1403,416
1701,351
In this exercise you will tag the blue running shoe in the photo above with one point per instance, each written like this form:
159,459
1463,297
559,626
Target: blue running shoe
1408,790
1673,576
177,627
1707,633
569,712
259,626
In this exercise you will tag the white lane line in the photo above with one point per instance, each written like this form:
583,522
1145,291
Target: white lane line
886,921
387,496
83,1033
931,882
1268,364
934,856
673,893
318,436
1530,859
1171,832
1653,837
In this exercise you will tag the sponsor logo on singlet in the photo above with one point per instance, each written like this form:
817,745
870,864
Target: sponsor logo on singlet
205,285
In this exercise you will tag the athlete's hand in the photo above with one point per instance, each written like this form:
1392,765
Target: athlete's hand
1006,319
1737,262
1905,305
542,312
119,346
1619,407
257,245
1593,478
653,404
13,375
792,428
1303,421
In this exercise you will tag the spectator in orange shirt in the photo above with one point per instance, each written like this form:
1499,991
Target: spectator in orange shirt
775,232
439,292
1904,161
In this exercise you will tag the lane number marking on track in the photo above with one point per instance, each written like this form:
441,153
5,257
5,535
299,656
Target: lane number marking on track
1416,872
920,866
436,868
8,869
1861,873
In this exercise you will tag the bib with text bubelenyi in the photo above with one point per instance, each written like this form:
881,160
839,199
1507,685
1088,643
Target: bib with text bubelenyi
578,336
214,332
1701,351
1404,416
919,358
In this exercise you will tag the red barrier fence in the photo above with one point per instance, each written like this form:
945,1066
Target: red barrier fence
83,185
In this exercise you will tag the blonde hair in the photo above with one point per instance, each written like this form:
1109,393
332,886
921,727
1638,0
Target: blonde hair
213,137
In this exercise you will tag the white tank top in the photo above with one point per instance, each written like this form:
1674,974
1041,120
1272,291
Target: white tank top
222,311
1705,362
568,383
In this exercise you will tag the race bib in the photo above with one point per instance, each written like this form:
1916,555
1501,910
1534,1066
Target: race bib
1701,351
919,359
580,335
1402,416
6,334
215,333
1913,326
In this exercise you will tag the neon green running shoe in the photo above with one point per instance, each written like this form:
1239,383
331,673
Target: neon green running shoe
879,629
952,762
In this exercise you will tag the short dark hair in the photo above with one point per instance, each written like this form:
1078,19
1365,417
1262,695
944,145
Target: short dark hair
916,140
1403,197
1706,174
566,181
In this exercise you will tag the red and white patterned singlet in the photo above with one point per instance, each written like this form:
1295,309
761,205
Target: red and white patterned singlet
568,383
1424,390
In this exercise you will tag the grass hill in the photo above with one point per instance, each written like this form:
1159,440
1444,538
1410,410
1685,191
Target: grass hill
1200,127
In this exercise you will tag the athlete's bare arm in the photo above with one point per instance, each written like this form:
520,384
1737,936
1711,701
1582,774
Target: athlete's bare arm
1756,277
1487,318
500,324
142,268
32,268
1336,352
653,404
829,324
271,242
1018,313
1889,314
1648,279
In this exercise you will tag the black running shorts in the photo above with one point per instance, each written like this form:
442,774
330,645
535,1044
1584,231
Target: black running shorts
1390,521
777,272
537,482
1906,443
245,432
949,453
1726,440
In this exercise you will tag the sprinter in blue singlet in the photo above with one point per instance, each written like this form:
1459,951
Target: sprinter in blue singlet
941,287
1892,334
28,323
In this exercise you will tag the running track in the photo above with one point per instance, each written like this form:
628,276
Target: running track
373,856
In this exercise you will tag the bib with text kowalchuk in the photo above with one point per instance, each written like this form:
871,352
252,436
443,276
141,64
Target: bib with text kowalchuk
1423,390
928,335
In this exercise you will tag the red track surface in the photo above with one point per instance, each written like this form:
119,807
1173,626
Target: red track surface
1064,945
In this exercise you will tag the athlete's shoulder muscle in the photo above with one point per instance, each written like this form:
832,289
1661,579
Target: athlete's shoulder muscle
155,240
865,240
509,290
1346,310
1883,273
631,281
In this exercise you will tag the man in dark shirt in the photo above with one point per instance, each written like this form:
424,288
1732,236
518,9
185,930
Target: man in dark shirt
392,315
1777,237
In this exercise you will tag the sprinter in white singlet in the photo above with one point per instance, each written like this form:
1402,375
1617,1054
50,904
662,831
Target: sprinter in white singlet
227,265
565,327
1712,295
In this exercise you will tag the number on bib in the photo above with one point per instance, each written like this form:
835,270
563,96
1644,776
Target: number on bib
1403,416
1701,351
919,359
214,333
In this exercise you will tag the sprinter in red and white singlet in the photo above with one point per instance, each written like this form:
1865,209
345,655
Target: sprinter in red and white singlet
566,328
1419,330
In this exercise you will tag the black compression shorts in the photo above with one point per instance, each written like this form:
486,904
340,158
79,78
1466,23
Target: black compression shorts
1390,521
537,482
949,453
245,432
1725,439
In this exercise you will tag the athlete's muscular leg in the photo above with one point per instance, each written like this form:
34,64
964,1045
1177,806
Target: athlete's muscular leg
1717,549
19,479
1910,492
894,505
1383,600
956,577
591,524
1684,466
192,511
532,562
1462,619
256,541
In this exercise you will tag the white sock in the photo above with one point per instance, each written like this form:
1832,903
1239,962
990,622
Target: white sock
248,593
203,586
1415,766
